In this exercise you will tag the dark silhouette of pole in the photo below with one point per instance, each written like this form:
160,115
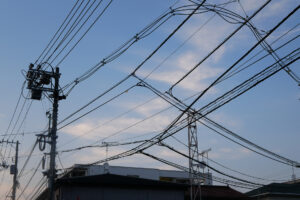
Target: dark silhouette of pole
15,181
53,136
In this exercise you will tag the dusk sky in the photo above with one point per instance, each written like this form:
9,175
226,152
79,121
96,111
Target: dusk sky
267,115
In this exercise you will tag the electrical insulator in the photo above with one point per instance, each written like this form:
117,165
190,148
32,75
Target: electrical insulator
43,162
31,66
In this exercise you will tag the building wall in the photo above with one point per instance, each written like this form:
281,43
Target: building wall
278,198
117,193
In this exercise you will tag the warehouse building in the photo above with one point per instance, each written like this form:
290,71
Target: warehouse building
174,176
116,187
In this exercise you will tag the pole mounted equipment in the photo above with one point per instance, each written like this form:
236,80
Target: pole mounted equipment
39,81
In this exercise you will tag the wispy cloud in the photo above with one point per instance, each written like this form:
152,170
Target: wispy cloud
196,81
229,153
126,125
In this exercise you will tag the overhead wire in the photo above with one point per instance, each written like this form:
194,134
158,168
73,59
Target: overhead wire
214,178
6,144
27,159
127,127
175,104
220,44
109,144
207,120
109,121
206,165
97,107
72,48
36,188
180,46
56,32
243,67
160,137
179,125
164,59
14,112
143,33
273,53
181,106
228,168
267,47
139,66
75,23
146,77
148,58
61,32
30,179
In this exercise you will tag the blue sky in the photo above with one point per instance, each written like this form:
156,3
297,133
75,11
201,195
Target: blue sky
267,115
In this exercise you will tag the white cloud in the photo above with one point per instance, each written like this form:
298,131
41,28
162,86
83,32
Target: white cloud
87,129
250,5
151,107
274,8
196,81
231,153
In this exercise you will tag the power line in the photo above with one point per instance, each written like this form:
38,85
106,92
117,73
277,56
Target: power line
181,106
151,116
214,178
221,44
110,144
73,26
15,109
205,164
37,188
139,66
66,25
143,33
269,49
233,170
56,32
97,107
177,103
98,17
30,179
176,125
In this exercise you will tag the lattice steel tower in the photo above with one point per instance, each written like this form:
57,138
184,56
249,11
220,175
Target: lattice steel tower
194,167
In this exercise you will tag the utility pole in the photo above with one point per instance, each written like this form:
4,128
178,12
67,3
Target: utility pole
13,168
194,167
52,170
15,182
37,81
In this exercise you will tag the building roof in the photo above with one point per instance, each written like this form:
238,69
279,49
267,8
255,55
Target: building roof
117,180
220,192
277,189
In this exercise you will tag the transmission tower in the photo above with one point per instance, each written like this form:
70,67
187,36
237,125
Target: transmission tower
194,167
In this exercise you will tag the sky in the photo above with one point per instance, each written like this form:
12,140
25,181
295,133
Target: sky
267,115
